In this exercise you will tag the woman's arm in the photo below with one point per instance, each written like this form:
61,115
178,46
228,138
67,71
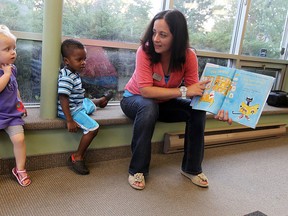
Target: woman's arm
160,93
169,93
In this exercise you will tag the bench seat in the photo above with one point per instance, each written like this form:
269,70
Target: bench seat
110,115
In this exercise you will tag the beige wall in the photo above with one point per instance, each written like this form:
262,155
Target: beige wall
41,142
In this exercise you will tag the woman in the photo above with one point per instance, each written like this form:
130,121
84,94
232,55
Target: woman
163,62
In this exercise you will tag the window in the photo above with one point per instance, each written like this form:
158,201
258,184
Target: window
107,69
275,70
109,20
264,29
113,20
111,31
25,16
203,60
28,64
22,15
210,23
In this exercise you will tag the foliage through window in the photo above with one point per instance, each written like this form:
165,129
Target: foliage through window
265,28
210,22
113,20
22,15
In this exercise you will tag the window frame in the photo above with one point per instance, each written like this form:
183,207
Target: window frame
235,59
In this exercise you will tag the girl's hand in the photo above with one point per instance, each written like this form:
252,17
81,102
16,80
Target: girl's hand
223,116
197,88
7,68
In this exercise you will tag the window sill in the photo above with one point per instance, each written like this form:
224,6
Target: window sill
110,115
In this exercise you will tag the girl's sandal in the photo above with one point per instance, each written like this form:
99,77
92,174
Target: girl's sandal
137,181
22,177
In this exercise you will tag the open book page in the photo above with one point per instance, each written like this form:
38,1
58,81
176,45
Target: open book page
247,96
215,91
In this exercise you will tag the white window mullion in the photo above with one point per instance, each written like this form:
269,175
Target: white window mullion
284,41
168,4
239,29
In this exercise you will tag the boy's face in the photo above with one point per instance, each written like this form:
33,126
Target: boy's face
7,50
76,61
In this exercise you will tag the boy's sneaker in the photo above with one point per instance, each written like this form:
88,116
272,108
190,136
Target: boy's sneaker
78,166
108,95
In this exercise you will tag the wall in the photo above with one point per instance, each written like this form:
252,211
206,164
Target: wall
41,142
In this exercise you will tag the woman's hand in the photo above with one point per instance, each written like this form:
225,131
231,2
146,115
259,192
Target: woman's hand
196,88
223,116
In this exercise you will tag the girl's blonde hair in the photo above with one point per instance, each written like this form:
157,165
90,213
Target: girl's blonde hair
4,30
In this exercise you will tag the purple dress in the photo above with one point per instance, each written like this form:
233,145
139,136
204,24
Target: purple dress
11,108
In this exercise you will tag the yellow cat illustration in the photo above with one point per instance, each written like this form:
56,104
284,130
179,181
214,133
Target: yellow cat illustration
222,85
208,97
246,110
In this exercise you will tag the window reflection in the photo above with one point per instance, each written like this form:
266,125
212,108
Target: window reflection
107,69
28,63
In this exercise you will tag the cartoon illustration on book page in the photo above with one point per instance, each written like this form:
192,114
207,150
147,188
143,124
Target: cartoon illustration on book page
220,85
246,110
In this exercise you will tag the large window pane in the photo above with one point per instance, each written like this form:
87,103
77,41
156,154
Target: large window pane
28,65
276,73
107,69
113,20
22,15
202,61
210,23
264,28
110,69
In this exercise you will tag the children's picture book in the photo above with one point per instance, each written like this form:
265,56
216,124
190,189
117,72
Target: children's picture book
242,93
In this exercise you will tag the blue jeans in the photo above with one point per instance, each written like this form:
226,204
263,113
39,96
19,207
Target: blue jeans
145,113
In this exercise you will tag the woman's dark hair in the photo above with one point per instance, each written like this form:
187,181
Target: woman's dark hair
178,27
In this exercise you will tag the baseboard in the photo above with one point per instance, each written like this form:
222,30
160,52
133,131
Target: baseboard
174,142
47,161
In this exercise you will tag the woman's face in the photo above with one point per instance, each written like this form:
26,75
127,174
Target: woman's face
162,37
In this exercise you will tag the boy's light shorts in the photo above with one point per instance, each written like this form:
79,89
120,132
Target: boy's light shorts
82,118
13,130
85,121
